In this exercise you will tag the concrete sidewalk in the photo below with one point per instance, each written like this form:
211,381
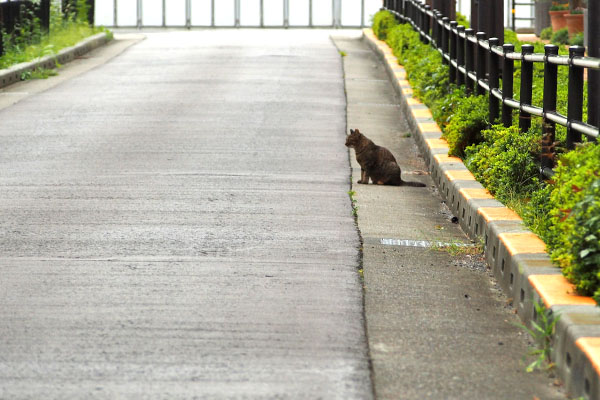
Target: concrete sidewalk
438,326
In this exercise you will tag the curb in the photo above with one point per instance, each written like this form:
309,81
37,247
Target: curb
13,74
516,256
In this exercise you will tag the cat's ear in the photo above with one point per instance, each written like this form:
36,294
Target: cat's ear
356,131
352,131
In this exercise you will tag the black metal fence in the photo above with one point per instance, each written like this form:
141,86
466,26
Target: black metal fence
479,63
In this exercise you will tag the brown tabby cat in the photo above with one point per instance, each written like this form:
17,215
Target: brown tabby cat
376,162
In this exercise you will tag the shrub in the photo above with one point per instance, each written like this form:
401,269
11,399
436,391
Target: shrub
546,33
383,21
559,7
464,127
577,40
585,242
560,37
576,173
505,162
462,20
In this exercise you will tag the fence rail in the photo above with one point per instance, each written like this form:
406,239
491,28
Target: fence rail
479,63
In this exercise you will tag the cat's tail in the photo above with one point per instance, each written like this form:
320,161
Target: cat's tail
415,184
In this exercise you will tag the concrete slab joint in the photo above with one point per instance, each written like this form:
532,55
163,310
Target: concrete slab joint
516,256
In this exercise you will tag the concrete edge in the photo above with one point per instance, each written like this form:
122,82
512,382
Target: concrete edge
13,74
517,257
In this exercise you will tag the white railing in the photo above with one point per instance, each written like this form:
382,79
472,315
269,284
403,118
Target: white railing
236,13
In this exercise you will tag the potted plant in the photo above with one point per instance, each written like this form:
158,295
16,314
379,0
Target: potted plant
557,15
574,22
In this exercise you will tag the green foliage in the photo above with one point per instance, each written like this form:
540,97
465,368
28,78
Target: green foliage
571,209
505,162
30,43
585,240
559,7
383,21
351,194
546,33
38,73
577,40
462,20
542,332
510,37
464,127
560,37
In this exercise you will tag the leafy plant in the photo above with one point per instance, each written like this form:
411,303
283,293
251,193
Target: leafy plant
573,182
546,33
383,21
559,7
505,162
462,20
577,39
464,127
542,332
585,241
28,42
38,73
560,37
352,193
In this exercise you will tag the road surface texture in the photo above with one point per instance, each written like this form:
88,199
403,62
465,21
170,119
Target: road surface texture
438,326
175,223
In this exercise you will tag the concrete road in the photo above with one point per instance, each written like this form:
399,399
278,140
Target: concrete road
175,223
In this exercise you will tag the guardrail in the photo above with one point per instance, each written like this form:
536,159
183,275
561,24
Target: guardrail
479,63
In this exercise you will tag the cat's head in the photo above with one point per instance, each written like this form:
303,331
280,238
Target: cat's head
353,138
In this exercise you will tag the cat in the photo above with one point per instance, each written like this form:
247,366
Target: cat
376,162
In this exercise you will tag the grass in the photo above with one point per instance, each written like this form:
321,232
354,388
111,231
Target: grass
456,248
542,332
31,44
39,73
351,194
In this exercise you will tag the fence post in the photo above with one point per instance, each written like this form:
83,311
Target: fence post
460,55
526,89
480,67
593,51
44,15
508,68
437,29
453,36
549,127
575,97
445,47
427,24
469,59
493,80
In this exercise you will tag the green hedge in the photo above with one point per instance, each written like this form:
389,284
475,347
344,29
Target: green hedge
564,212
383,21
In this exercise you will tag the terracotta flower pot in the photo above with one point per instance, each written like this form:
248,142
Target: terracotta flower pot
574,23
557,18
